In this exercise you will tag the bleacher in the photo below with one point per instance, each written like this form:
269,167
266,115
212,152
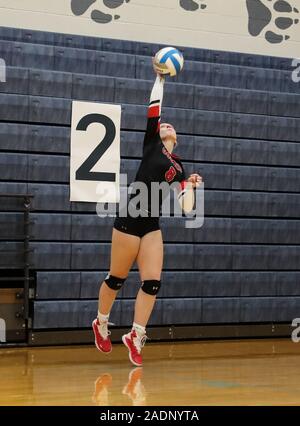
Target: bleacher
238,122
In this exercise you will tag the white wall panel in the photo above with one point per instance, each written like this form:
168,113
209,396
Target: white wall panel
221,25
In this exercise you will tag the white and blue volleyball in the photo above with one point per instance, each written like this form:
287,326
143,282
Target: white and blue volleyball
169,60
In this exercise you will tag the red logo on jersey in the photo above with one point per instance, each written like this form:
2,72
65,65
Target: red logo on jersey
167,154
170,174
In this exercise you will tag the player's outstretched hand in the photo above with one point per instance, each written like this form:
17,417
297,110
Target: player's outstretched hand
160,70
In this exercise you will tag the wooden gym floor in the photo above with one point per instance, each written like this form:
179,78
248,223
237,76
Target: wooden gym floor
244,372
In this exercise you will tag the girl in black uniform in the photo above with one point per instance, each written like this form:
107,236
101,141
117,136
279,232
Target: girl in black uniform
140,238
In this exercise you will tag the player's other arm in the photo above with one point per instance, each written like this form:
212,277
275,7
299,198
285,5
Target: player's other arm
185,192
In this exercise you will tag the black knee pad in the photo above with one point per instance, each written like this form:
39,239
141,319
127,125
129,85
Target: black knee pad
115,283
151,286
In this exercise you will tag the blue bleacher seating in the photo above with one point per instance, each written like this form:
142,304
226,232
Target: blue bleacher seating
32,55
284,129
264,309
250,203
181,311
250,178
251,257
14,137
17,81
52,139
287,283
283,154
250,151
59,224
75,60
282,179
173,230
250,126
217,203
14,107
211,149
50,197
57,285
91,228
11,226
184,119
284,231
250,101
220,284
284,257
214,230
217,176
11,255
51,256
251,231
42,168
285,104
93,88
288,84
237,117
213,98
49,110
220,310
257,283
263,79
212,123
115,64
13,167
50,83
228,76
212,257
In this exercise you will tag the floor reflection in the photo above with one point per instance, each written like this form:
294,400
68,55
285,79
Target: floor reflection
252,372
134,388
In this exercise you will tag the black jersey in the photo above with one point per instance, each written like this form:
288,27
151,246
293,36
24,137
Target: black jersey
158,164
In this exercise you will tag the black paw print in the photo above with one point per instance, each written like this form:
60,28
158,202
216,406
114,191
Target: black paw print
192,5
278,15
79,7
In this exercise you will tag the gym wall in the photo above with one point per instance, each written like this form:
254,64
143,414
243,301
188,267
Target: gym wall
238,120
268,27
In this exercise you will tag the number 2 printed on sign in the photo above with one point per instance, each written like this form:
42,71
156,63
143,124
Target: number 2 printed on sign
95,157
84,171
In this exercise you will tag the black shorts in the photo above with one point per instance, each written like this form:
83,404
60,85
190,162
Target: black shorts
138,226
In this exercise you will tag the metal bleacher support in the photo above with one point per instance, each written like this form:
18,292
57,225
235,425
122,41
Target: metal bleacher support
16,260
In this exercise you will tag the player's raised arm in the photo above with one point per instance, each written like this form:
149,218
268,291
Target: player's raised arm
154,108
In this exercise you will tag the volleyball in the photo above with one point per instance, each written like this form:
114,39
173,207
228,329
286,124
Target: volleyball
169,60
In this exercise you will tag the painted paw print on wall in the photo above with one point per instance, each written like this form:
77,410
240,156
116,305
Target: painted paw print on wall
192,5
273,17
79,7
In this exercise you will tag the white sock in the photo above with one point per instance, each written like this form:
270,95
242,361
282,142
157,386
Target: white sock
102,317
139,329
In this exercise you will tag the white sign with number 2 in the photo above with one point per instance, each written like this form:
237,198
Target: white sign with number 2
95,152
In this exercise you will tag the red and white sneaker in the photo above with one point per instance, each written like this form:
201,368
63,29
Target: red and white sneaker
134,343
102,340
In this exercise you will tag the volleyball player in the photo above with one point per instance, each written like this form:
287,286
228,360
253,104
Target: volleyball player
140,238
